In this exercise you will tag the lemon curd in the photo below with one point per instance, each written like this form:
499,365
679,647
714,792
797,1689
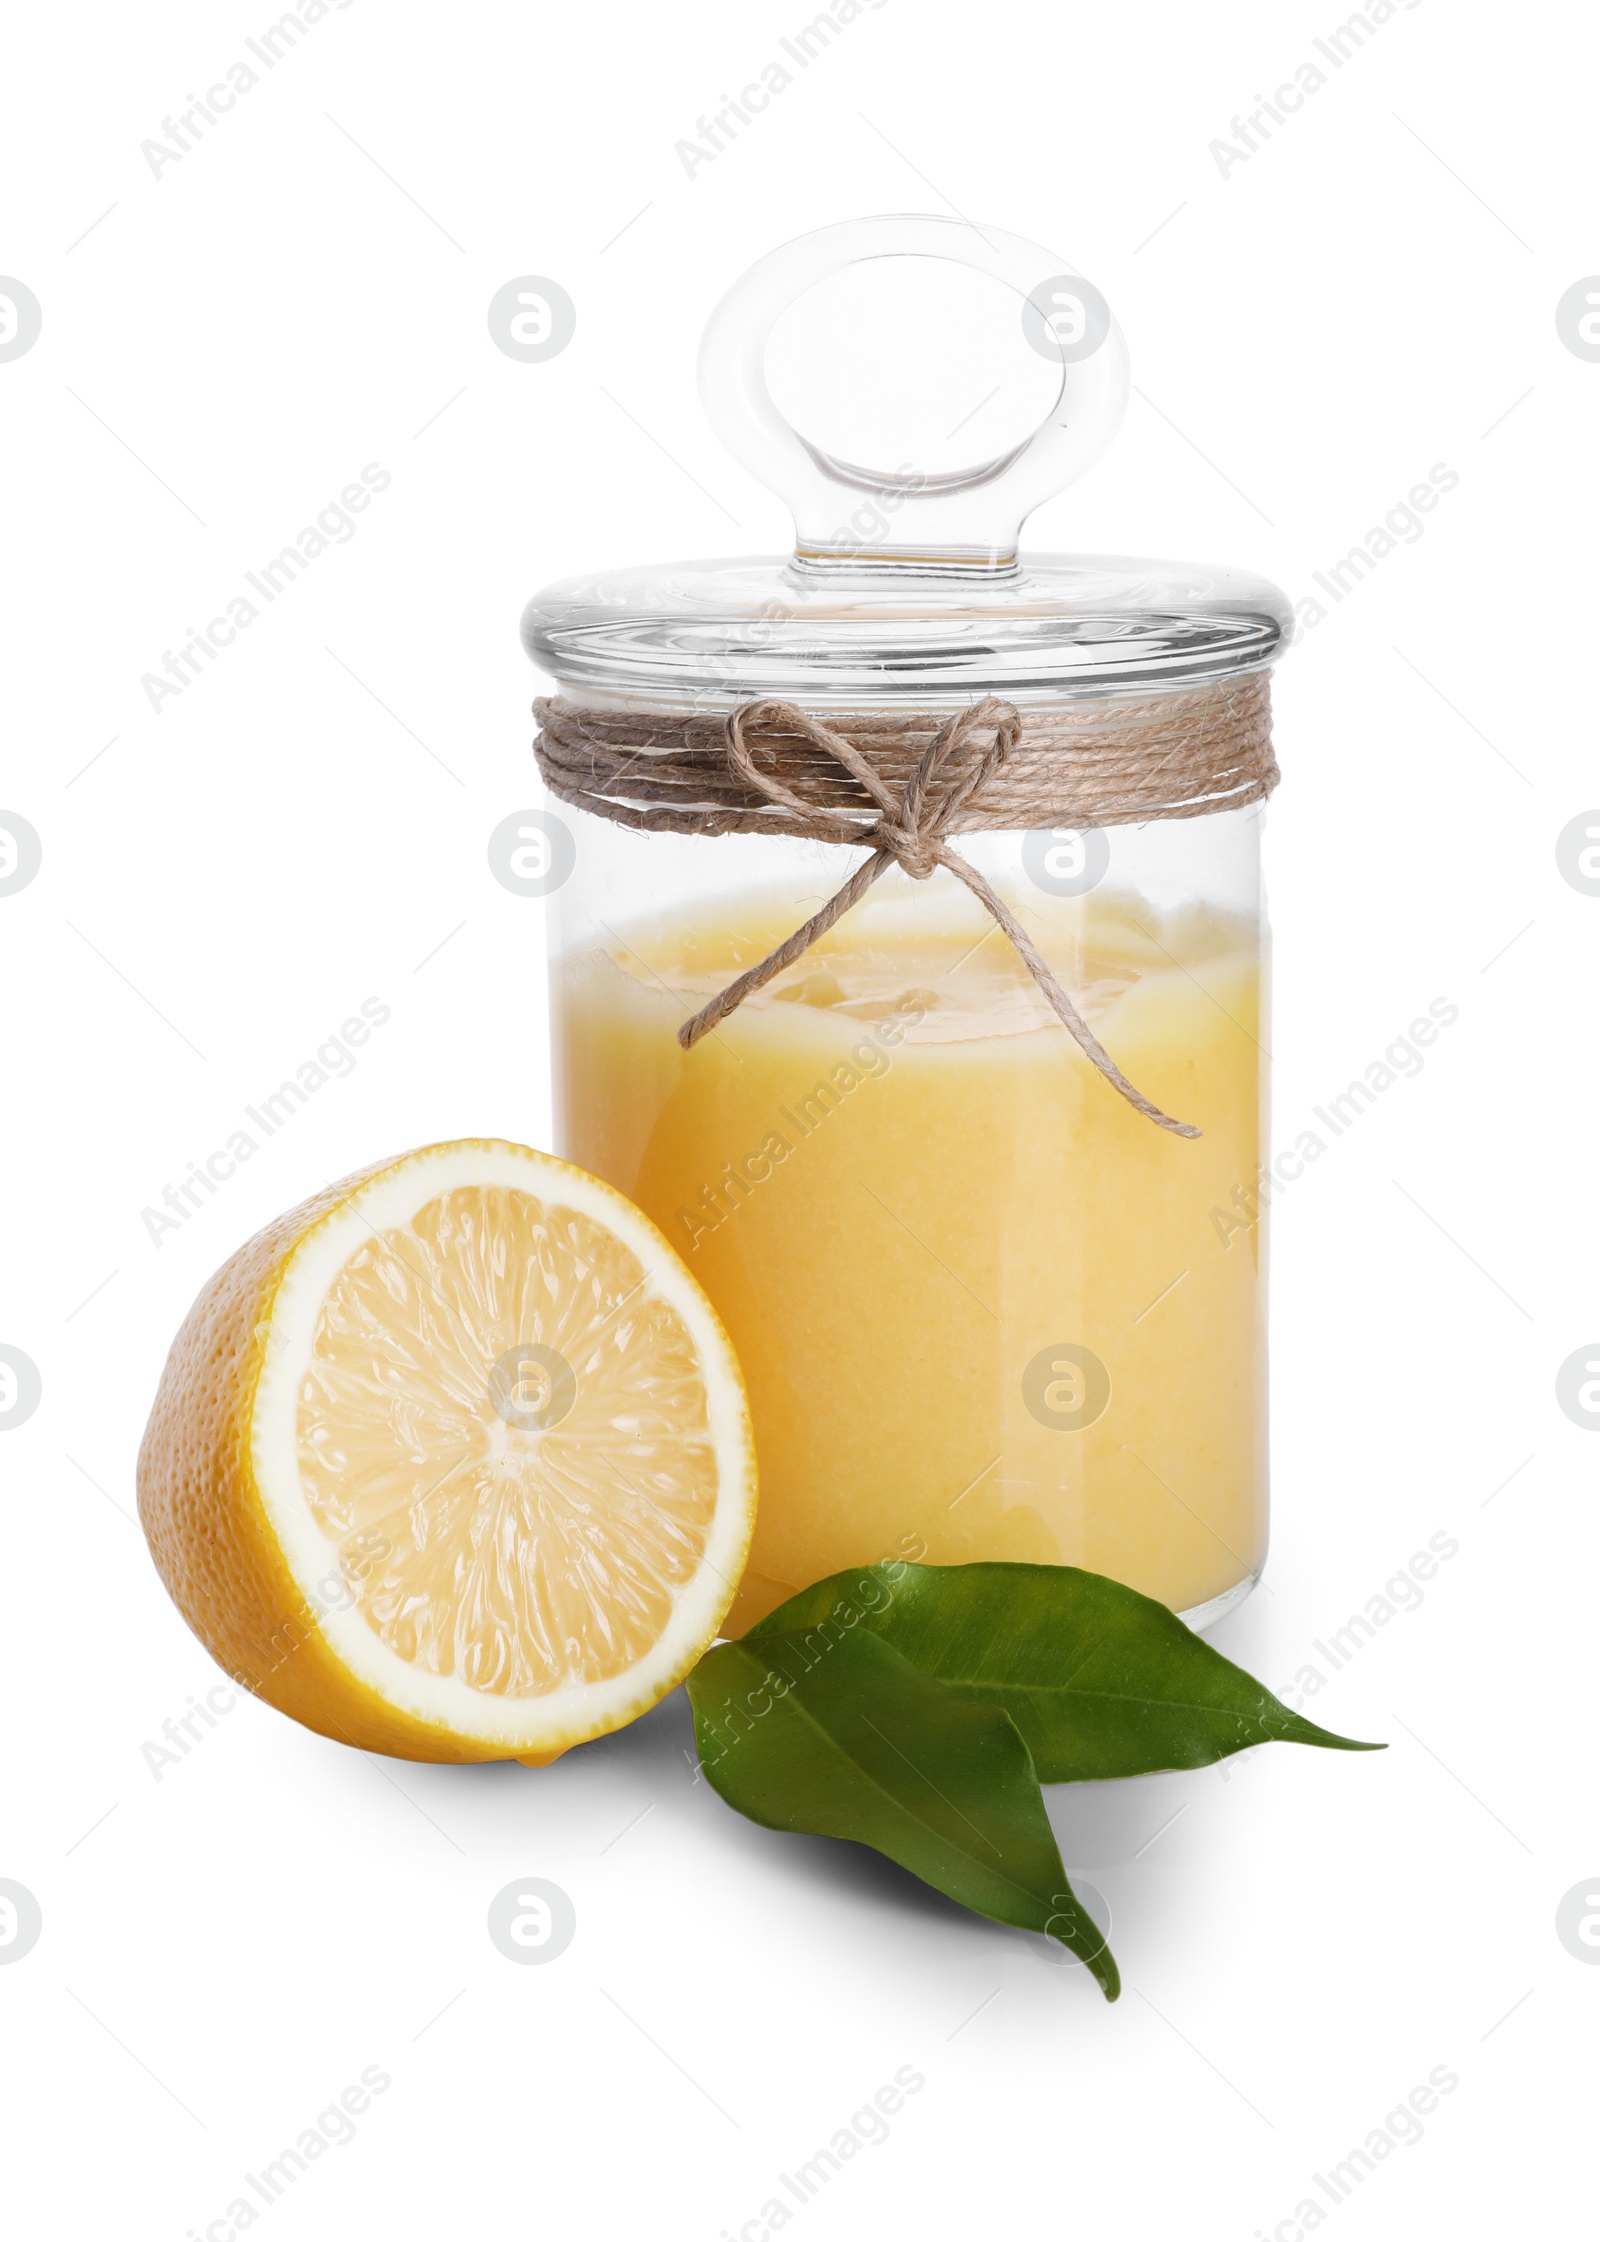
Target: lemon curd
983,1307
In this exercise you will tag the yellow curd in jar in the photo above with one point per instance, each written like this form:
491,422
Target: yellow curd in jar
984,1308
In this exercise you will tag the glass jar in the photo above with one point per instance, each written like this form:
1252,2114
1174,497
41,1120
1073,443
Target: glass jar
986,1308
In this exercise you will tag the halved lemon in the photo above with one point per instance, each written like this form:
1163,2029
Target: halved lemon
453,1461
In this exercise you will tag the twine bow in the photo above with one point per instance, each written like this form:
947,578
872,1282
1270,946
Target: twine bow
909,831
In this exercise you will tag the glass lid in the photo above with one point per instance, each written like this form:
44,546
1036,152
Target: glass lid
906,586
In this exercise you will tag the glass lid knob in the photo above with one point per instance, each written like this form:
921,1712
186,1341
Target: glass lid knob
964,520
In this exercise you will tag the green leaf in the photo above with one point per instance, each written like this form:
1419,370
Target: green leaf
1099,1680
850,1740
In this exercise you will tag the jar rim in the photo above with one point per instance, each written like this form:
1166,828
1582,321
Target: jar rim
1053,627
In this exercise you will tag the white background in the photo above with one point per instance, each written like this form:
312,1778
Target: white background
223,881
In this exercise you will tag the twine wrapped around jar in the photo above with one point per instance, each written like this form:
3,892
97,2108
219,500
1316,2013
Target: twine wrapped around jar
902,783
